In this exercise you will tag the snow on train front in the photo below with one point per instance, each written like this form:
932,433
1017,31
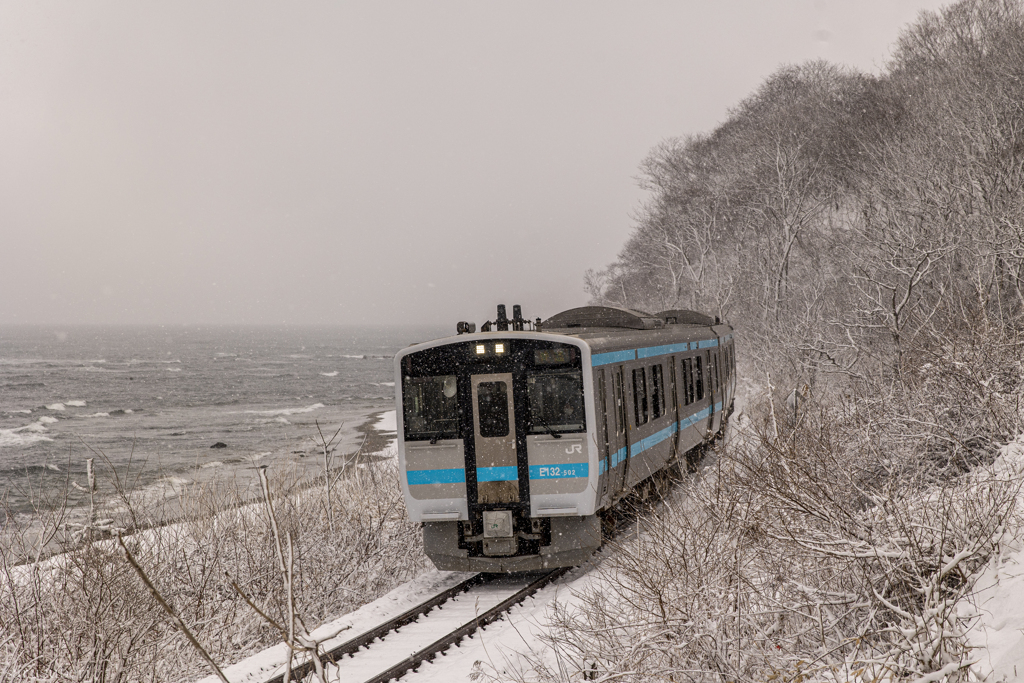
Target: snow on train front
495,453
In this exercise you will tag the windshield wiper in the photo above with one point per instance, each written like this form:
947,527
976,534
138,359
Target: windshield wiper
551,431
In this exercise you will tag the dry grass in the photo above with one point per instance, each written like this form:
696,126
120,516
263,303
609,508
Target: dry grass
85,614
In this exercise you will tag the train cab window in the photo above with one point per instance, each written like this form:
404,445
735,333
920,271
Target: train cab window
430,407
657,392
492,407
556,401
699,373
640,397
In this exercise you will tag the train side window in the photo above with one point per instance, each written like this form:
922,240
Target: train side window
640,396
699,372
620,407
657,391
672,385
687,381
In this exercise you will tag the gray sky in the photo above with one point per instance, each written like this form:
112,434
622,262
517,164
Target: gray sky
359,162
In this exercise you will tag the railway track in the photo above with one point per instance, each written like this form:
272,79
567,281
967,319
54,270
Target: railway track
373,657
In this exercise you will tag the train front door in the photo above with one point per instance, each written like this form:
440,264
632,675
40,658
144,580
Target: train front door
494,436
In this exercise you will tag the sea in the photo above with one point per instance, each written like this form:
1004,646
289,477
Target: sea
149,403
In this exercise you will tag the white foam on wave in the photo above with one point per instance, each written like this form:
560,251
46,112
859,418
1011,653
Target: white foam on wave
173,369
55,406
98,415
23,412
53,467
282,420
285,411
345,355
14,438
27,435
76,404
207,465
330,374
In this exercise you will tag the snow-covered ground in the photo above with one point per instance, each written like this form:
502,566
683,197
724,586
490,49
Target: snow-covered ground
387,422
507,646
998,633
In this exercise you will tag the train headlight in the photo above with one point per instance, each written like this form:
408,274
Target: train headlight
499,348
481,349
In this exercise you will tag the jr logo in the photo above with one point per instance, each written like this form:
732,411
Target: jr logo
574,448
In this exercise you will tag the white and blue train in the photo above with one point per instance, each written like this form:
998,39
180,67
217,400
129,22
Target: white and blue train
514,439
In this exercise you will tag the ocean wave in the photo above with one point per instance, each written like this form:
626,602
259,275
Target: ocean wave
173,369
330,374
119,411
27,435
11,438
207,465
76,404
97,415
22,412
54,406
345,355
285,411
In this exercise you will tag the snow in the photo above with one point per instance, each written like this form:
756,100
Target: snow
262,665
998,634
506,646
387,422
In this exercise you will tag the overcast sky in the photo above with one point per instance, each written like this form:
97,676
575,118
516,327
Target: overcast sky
359,162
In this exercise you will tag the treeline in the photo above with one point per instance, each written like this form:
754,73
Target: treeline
850,225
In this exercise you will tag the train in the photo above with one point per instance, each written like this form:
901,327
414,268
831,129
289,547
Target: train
514,441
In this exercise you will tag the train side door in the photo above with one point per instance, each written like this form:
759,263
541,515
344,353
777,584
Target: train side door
709,387
494,435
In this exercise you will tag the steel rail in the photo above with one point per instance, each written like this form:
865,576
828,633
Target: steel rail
429,652
304,668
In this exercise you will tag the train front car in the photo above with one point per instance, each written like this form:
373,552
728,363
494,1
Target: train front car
496,450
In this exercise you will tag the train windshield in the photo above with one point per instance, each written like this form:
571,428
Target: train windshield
556,400
431,408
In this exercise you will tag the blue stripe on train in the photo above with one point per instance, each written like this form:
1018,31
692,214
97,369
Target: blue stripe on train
421,477
612,357
497,473
599,359
576,470
653,440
